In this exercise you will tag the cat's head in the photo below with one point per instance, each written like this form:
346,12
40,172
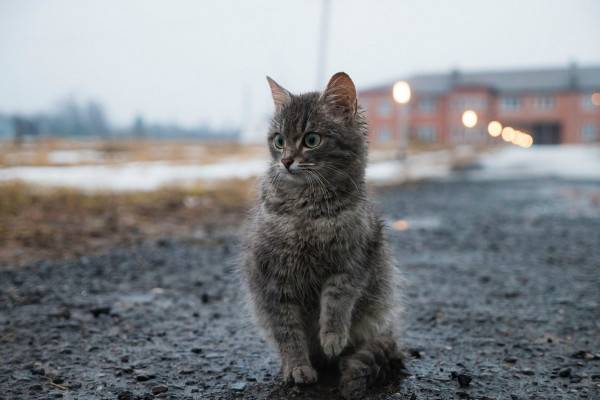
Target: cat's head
318,136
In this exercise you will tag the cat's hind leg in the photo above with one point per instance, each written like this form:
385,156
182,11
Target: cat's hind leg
373,361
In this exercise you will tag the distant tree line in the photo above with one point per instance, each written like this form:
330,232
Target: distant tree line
89,119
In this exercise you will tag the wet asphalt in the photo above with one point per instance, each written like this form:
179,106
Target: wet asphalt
502,294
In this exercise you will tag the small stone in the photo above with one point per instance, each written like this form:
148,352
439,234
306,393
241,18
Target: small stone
125,359
97,311
564,373
126,395
205,298
416,353
510,360
575,379
36,388
144,377
37,369
186,371
162,242
463,379
527,371
159,389
585,355
196,350
238,386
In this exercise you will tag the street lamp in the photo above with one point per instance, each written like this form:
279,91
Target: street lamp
495,128
401,93
469,118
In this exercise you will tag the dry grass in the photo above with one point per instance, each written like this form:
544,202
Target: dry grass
41,152
41,223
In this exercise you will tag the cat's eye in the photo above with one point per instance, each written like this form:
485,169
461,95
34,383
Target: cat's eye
278,141
312,140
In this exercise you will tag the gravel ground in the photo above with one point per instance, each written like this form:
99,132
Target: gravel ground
503,295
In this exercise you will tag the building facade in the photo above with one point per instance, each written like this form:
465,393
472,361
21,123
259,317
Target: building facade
560,105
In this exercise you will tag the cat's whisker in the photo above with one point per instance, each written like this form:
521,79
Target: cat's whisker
347,175
324,191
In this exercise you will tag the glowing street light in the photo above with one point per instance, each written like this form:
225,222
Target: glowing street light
469,118
401,92
518,137
508,134
522,139
495,128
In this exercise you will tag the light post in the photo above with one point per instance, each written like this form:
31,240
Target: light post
469,118
401,93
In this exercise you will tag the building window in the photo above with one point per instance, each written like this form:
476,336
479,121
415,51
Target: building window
426,134
469,102
586,102
384,135
426,105
589,132
384,107
544,103
510,103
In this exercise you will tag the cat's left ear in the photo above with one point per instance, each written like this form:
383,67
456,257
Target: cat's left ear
340,95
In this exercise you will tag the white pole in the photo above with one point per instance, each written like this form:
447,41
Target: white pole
322,45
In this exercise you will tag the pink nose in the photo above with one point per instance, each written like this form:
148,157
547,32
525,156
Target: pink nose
287,161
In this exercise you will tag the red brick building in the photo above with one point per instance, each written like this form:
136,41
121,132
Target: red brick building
560,105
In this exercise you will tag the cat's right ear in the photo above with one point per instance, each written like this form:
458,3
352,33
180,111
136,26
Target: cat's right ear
281,97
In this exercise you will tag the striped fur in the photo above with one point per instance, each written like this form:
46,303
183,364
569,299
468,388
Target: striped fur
316,263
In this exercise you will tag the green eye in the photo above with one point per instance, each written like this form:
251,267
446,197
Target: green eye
278,141
312,140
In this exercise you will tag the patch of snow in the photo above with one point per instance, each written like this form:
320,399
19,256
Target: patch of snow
427,165
145,176
74,156
135,176
565,161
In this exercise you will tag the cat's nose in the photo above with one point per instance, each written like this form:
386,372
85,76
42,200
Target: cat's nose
287,161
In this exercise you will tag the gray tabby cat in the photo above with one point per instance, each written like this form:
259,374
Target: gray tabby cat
316,265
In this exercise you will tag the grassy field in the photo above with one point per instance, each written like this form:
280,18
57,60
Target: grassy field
50,223
54,151
43,222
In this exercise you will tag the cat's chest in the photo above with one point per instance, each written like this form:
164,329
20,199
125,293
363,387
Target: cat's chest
317,237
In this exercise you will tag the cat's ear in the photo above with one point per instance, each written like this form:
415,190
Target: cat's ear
280,96
340,95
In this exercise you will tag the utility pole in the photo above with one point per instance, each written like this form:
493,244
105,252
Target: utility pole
322,45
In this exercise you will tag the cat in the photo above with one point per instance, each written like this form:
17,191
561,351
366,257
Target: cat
316,265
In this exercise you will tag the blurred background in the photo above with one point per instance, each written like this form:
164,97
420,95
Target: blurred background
124,121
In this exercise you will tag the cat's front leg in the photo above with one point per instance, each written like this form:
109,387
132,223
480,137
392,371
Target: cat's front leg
288,332
338,297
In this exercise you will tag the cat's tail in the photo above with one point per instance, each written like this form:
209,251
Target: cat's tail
373,361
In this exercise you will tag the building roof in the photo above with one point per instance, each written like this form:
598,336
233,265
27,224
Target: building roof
522,80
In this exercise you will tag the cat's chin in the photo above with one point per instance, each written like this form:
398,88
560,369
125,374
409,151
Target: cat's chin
292,175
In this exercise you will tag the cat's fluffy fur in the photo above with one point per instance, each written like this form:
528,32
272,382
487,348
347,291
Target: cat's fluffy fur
317,266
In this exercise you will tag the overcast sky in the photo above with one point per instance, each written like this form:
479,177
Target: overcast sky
206,61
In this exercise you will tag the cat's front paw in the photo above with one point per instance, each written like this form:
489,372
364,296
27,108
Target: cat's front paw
333,343
300,375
